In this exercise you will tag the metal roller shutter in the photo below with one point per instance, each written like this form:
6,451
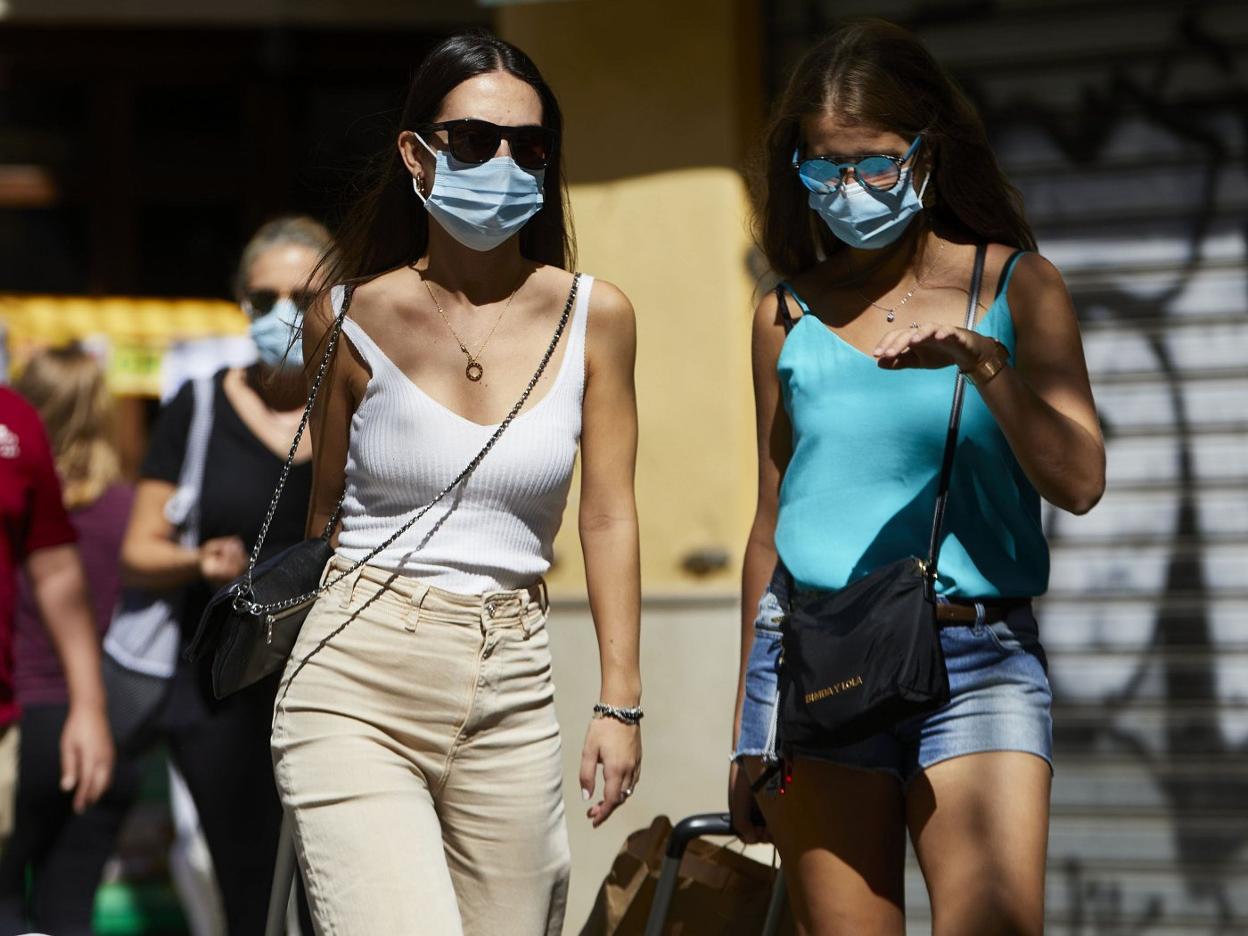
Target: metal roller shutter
1125,126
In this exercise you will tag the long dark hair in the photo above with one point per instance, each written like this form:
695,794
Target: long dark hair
877,73
388,226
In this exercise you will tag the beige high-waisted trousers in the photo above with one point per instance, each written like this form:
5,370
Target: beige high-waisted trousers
416,747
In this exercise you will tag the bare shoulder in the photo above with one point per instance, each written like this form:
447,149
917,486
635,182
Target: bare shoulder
319,315
609,309
1036,273
379,293
1037,293
768,322
610,330
767,312
367,300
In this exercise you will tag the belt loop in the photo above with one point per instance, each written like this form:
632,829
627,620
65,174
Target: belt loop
411,617
350,582
981,615
543,603
525,625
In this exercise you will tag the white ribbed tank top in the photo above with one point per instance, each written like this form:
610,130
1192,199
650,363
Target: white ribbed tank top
497,529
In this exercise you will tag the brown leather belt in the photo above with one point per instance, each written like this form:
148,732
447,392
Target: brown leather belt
960,612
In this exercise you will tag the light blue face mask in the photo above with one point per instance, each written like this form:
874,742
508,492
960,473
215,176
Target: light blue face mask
869,218
481,206
273,333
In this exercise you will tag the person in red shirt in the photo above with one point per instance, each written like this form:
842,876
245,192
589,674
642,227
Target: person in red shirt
51,867
36,535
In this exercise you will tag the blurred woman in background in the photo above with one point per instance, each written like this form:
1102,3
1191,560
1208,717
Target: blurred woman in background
221,747
64,848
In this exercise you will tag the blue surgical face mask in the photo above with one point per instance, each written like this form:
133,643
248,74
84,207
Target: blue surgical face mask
867,218
481,206
273,333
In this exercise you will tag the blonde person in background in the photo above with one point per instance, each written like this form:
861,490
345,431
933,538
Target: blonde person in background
51,865
220,747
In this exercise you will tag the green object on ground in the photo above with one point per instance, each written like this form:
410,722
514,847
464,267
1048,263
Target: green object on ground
138,910
147,906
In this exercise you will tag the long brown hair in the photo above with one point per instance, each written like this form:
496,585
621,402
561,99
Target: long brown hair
388,226
66,386
878,74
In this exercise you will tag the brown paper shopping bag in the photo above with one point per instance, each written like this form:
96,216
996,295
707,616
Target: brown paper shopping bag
719,892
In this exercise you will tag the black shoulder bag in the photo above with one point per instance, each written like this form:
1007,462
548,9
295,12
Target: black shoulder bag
252,623
859,660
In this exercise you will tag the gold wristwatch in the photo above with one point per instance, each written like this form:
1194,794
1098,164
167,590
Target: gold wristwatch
989,365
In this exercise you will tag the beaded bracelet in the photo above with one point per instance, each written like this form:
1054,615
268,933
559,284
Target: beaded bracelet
629,716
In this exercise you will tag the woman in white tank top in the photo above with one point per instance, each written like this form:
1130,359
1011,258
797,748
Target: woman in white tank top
414,739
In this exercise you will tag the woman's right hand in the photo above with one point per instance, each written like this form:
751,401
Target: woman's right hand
221,560
747,821
87,754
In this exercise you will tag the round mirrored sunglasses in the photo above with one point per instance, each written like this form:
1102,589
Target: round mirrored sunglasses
825,174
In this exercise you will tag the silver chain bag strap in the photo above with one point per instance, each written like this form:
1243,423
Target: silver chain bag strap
252,623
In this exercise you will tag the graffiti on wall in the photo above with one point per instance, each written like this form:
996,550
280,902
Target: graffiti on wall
1176,660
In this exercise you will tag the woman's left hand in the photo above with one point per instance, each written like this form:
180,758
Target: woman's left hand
617,747
931,346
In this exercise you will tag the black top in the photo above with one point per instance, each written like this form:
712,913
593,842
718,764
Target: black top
239,480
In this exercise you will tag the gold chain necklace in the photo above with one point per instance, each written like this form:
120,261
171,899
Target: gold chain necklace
891,312
473,371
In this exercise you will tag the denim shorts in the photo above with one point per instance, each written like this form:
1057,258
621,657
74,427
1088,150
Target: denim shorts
1000,699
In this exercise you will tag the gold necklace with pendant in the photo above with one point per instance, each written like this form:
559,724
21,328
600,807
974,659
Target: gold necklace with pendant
473,371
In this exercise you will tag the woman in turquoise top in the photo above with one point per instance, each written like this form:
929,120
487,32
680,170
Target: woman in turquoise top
880,185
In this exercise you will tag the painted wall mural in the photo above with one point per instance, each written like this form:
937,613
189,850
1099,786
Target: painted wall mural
1126,127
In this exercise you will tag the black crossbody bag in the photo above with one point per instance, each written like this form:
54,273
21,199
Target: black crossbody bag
251,624
858,660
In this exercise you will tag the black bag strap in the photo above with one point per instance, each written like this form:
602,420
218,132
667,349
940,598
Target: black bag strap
955,419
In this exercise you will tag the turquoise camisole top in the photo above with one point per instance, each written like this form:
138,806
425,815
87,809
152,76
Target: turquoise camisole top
860,487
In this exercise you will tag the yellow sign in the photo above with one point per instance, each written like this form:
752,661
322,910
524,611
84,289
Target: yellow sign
132,333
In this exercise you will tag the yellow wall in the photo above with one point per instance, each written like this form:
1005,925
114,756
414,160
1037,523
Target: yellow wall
660,101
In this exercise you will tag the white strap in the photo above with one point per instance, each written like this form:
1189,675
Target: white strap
182,509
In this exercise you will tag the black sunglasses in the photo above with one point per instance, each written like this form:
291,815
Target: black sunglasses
260,302
476,141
